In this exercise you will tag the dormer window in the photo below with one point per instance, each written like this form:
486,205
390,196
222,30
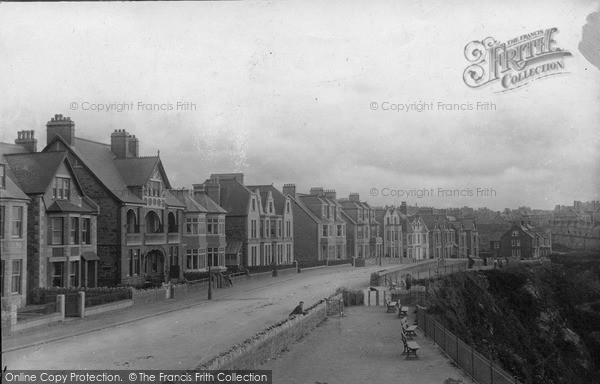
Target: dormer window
253,205
270,207
288,207
515,233
62,188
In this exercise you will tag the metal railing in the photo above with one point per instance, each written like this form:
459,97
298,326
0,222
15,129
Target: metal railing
480,368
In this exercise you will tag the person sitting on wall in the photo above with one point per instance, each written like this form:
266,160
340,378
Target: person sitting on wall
298,310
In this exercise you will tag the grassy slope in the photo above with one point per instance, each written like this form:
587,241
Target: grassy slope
541,323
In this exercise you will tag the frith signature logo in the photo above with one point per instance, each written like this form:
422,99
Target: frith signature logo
515,62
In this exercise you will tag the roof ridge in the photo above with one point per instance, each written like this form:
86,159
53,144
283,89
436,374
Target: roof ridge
92,141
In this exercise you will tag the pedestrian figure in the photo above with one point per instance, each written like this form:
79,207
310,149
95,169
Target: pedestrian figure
228,278
408,281
298,310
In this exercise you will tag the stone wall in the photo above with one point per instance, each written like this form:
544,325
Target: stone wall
250,353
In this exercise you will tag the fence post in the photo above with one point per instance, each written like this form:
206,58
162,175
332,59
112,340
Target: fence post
377,298
369,298
384,297
60,305
472,363
456,337
81,304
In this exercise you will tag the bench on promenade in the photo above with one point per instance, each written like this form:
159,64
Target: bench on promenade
391,305
409,330
402,310
410,347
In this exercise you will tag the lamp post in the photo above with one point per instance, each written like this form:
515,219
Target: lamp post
209,283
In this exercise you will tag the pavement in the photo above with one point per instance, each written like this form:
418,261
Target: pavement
363,346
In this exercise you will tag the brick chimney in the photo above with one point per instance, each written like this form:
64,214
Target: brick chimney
134,146
316,191
330,194
403,208
354,197
60,126
213,190
289,189
27,140
119,143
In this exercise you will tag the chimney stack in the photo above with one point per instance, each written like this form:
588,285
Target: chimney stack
403,208
123,144
60,126
213,191
27,140
134,146
316,191
330,194
354,197
289,189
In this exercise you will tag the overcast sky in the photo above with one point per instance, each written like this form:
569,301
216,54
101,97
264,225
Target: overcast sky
283,92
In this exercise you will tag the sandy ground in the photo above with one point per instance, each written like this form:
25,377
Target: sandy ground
364,346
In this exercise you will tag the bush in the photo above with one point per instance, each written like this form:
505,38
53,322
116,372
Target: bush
375,279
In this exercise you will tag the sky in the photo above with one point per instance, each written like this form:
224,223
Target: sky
303,92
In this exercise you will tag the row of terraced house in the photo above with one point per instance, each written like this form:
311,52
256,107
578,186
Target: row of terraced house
81,213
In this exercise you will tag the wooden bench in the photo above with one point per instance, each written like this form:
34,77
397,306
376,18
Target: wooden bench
410,347
402,310
409,330
391,305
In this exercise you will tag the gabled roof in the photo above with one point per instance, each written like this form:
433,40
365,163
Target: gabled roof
235,197
34,172
116,174
348,218
98,158
190,204
308,212
278,197
209,204
136,171
11,189
171,201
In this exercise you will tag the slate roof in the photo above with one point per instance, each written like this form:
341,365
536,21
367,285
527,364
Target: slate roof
235,197
207,203
66,206
117,175
34,172
278,197
190,204
136,171
11,189
100,160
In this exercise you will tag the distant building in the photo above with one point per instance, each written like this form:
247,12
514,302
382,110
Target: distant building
203,234
441,236
577,226
523,241
415,237
391,229
259,223
319,229
279,219
363,236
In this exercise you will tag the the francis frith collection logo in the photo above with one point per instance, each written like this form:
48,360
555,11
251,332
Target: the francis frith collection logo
514,63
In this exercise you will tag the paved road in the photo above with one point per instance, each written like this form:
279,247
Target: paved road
185,338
